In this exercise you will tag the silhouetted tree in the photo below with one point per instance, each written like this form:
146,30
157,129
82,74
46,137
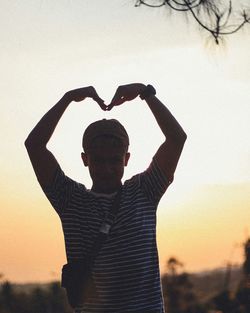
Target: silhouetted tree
57,299
39,301
7,297
178,291
229,302
45,299
219,18
243,293
246,265
226,303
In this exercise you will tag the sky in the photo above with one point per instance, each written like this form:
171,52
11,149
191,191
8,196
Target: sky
48,48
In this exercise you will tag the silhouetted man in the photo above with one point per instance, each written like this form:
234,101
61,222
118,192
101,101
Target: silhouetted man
126,271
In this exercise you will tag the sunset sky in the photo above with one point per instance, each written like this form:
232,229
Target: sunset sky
50,47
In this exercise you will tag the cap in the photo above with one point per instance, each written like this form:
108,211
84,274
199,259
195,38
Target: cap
104,127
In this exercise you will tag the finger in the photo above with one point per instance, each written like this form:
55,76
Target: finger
116,100
95,95
103,106
109,107
101,103
98,99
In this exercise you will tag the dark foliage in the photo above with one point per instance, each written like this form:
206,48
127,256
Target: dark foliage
51,299
183,292
179,295
217,17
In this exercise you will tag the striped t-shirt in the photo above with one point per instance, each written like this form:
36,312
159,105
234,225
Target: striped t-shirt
126,270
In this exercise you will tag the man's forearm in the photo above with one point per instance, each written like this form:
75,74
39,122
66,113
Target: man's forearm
42,132
167,122
44,129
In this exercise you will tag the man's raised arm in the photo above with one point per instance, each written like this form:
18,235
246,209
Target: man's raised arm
169,152
43,161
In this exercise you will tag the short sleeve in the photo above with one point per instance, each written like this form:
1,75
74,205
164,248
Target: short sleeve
153,182
60,191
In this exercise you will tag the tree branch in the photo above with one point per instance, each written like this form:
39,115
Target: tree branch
201,9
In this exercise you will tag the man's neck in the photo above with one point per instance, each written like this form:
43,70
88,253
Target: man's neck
105,189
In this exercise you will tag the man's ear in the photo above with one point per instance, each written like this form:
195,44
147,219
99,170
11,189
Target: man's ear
84,159
127,156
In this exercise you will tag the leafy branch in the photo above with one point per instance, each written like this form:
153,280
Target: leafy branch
211,15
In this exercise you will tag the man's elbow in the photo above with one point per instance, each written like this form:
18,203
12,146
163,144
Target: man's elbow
29,143
32,144
182,137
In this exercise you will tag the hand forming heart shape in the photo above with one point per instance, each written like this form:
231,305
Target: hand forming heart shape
123,93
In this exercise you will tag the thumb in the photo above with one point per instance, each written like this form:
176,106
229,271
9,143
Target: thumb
100,102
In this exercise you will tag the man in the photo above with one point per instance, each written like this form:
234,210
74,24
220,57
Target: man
126,270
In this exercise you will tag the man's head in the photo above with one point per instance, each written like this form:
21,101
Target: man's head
105,144
104,128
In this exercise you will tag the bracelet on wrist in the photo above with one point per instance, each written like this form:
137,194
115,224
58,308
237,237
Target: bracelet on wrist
148,91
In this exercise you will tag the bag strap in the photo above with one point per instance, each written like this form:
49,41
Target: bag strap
105,227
